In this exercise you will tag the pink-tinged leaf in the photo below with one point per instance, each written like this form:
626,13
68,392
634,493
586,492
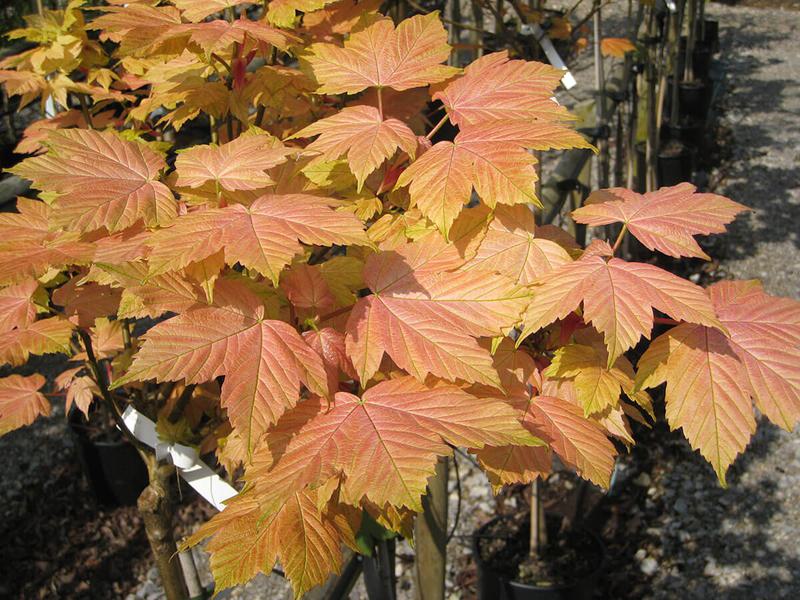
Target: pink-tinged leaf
708,391
306,539
306,288
85,303
580,443
618,298
218,35
263,361
104,181
197,10
361,133
381,56
40,337
665,220
21,402
765,335
400,428
237,165
430,322
512,248
17,305
330,345
80,390
494,88
264,236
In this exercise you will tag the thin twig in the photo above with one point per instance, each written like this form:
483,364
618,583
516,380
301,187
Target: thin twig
105,393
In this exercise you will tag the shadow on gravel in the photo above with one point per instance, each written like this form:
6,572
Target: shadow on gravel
766,189
707,542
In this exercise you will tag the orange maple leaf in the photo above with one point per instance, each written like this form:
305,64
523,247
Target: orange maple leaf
494,88
104,181
264,236
616,47
618,298
429,321
396,430
264,360
363,135
665,220
21,402
381,56
237,165
715,376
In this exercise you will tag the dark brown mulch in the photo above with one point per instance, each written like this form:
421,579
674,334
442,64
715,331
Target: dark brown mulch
58,543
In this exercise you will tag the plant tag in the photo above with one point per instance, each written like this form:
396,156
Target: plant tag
194,471
568,81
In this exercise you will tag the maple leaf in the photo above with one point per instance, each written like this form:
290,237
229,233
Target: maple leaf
21,402
428,321
18,305
306,288
218,35
197,10
40,337
246,541
85,303
597,387
665,220
23,83
579,442
238,165
104,181
36,133
150,296
616,47
363,135
264,236
28,249
338,17
711,378
708,393
80,390
137,27
765,335
397,430
511,247
494,88
618,298
283,12
330,345
381,56
491,158
263,360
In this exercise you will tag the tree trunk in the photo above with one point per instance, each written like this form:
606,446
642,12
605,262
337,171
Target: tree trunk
155,506
430,537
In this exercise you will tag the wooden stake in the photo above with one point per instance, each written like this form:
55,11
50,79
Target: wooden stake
430,537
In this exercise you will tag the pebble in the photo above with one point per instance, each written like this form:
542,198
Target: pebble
649,566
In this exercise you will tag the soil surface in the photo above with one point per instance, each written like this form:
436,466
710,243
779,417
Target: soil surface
670,530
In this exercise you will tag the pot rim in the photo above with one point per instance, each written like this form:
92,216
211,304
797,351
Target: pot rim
517,584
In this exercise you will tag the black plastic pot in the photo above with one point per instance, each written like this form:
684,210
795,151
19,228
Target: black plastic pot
701,59
114,470
694,98
674,165
493,586
690,132
711,37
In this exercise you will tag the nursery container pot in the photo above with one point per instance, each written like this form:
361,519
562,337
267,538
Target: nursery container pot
113,469
494,586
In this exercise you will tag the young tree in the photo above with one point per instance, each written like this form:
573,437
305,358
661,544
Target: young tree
367,299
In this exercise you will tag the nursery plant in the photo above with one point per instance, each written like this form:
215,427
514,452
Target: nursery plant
244,230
